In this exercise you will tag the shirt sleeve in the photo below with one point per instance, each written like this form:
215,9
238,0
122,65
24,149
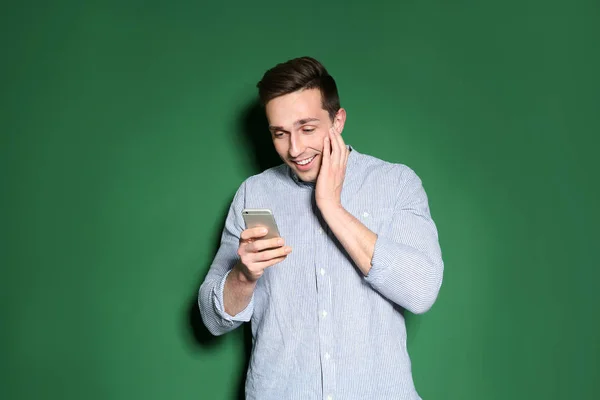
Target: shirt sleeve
407,265
210,295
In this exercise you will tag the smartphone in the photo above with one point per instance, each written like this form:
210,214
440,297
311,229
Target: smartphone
254,217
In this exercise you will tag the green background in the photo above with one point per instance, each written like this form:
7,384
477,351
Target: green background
126,128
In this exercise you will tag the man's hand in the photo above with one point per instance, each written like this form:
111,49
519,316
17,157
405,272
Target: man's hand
257,254
333,170
354,236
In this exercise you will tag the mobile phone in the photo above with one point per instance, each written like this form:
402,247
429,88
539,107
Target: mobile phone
255,217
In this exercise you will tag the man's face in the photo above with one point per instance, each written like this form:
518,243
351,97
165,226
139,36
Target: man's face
299,125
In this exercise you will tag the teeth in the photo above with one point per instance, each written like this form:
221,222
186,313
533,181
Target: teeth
304,162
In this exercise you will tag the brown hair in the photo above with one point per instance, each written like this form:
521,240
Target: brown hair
297,74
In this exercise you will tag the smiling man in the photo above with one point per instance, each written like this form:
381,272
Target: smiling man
358,246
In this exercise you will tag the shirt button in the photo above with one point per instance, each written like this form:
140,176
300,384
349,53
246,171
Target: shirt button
320,231
329,397
327,356
366,214
322,271
324,313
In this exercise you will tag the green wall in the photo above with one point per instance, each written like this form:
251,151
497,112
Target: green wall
126,128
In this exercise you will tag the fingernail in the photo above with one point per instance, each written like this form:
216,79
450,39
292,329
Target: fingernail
288,249
263,230
280,242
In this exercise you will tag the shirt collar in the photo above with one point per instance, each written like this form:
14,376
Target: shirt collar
311,185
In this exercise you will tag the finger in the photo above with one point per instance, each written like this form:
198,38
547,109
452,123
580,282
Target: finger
347,156
270,263
345,152
267,255
340,141
326,151
340,145
263,244
254,233
335,153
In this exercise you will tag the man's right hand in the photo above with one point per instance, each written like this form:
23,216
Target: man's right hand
257,254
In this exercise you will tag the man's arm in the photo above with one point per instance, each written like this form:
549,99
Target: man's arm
211,294
237,292
256,254
404,265
358,240
226,296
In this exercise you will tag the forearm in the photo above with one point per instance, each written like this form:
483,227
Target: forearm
408,275
237,292
353,235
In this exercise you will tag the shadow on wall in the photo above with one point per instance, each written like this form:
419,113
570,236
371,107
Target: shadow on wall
253,129
254,132
201,337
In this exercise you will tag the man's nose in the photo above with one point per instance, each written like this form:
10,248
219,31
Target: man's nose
296,145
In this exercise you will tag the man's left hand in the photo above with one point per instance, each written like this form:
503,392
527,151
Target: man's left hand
333,170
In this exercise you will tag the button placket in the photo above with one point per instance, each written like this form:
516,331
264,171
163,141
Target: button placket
323,283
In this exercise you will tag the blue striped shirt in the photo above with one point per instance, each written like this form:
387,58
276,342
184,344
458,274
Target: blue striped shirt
320,328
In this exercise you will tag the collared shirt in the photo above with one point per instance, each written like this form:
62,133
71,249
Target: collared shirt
320,328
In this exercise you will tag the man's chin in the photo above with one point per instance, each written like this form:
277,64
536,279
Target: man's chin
307,176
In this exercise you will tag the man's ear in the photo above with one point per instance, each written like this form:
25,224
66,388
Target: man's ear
339,121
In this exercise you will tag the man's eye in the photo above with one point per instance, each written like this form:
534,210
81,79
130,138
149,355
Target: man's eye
278,134
308,130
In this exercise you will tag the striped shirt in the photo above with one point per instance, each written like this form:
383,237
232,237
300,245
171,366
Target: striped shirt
320,328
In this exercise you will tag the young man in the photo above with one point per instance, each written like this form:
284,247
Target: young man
358,247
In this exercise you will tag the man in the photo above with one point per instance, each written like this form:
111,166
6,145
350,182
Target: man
358,247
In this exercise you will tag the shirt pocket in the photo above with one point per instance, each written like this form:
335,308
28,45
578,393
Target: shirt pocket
375,219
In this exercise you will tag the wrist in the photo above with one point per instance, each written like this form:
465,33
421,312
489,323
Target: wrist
330,208
239,279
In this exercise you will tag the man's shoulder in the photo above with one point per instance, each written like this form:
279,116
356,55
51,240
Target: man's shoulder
261,184
375,167
270,177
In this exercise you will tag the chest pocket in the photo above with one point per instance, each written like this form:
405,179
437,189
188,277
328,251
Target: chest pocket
377,220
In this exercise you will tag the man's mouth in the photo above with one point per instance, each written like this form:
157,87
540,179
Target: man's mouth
305,164
306,161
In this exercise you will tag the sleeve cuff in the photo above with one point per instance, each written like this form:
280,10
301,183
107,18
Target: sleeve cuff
380,263
242,316
386,254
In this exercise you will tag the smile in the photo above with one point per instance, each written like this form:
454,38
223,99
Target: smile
305,161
